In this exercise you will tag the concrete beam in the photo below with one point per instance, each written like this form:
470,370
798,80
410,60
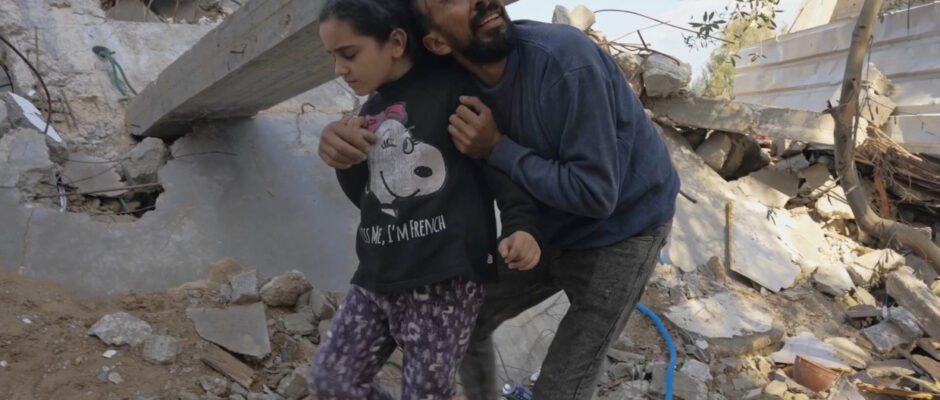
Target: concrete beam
266,52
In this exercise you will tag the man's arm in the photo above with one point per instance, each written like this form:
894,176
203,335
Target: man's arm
519,215
585,179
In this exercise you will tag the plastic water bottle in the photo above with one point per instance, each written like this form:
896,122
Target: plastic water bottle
515,391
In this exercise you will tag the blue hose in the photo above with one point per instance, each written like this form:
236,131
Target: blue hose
671,372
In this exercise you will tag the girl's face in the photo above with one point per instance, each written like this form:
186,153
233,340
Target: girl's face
363,62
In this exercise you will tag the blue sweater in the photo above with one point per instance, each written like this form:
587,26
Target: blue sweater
577,138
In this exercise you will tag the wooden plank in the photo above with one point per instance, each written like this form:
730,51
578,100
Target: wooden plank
226,364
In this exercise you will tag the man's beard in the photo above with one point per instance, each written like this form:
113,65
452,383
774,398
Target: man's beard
501,41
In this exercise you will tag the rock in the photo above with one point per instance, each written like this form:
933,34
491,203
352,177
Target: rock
833,205
144,161
746,156
284,290
818,181
723,315
771,188
914,295
223,270
214,386
298,324
161,349
684,386
633,390
240,329
294,385
891,368
808,346
697,370
115,378
715,150
664,76
630,64
889,334
626,370
849,352
121,328
864,297
580,17
776,388
242,288
833,279
867,269
324,328
323,308
793,164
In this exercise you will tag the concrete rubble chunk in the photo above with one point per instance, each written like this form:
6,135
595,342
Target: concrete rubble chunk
772,188
89,173
833,205
833,279
24,160
850,353
144,161
891,368
875,103
294,385
121,329
818,181
865,270
322,305
161,349
240,329
298,324
746,157
808,346
579,17
715,150
630,64
284,290
914,295
629,391
724,315
744,118
864,297
776,388
684,386
242,288
793,164
889,334
697,369
665,76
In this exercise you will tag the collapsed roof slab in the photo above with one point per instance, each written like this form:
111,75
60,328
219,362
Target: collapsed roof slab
266,52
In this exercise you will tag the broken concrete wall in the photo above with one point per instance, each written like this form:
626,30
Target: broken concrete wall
252,190
802,70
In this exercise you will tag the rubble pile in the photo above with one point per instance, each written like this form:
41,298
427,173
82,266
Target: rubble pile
781,296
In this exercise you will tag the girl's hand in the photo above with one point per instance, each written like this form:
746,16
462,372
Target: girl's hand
520,251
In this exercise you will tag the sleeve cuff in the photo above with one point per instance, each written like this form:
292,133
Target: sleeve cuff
505,154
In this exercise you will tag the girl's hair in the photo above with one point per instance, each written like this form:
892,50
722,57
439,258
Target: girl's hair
377,19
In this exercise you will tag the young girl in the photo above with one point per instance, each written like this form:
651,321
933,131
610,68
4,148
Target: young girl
427,235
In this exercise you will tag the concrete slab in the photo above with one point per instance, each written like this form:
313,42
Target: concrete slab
771,188
252,190
240,329
263,54
913,294
724,315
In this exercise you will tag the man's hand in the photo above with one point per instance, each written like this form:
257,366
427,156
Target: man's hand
473,128
345,143
520,251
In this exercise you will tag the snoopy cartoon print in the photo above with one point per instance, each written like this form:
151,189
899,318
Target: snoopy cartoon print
401,167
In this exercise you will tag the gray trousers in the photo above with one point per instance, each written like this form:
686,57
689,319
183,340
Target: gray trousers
603,286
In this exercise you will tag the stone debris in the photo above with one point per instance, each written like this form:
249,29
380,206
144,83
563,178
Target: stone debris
808,346
900,328
89,173
115,378
284,290
724,315
579,17
240,329
294,385
109,354
144,161
664,76
914,295
241,288
870,268
833,205
121,329
299,324
833,279
161,349
849,352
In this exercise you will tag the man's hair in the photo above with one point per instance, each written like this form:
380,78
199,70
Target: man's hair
422,20
377,19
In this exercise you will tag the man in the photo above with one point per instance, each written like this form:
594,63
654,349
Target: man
566,126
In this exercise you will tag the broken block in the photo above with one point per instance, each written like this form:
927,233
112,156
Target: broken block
664,76
242,288
818,181
121,328
715,150
580,17
833,279
284,290
144,161
240,329
914,295
771,188
868,268
833,205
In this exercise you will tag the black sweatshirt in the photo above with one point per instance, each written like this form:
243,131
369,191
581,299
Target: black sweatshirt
427,210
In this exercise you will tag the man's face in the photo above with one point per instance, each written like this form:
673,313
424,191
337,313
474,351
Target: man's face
479,30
